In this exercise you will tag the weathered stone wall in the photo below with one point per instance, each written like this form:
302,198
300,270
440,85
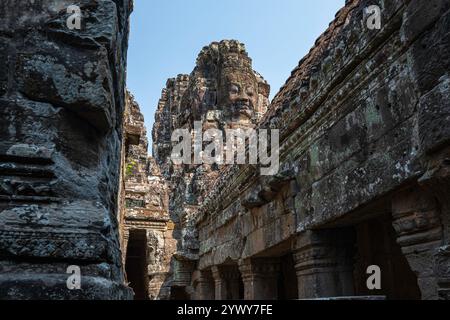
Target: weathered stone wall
168,117
62,99
364,124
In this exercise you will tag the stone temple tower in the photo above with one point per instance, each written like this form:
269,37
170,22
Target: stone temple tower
222,92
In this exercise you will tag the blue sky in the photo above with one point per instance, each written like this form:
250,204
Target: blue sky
167,35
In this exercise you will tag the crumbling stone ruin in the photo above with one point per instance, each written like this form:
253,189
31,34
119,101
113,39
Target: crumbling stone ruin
363,184
62,98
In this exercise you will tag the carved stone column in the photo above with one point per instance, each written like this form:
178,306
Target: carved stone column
260,278
226,280
126,237
324,263
417,222
204,285
220,284
183,270
437,180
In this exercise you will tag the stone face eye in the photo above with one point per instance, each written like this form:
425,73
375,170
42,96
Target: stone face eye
250,92
234,89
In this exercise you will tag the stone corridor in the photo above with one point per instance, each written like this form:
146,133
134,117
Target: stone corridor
364,178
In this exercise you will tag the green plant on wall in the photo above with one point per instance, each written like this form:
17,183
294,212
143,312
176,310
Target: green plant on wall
130,168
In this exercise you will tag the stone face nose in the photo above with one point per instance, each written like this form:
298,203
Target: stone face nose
243,96
243,103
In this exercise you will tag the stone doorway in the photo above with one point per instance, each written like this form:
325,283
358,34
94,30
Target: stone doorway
287,279
228,283
376,245
240,288
179,294
136,264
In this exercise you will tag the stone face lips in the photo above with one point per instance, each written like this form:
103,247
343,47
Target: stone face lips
62,99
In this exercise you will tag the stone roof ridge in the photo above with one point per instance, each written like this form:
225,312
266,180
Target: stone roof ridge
310,65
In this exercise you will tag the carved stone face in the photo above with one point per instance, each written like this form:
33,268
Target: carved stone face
238,96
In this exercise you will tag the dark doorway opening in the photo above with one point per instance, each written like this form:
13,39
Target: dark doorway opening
287,280
136,264
376,243
179,293
234,284
241,288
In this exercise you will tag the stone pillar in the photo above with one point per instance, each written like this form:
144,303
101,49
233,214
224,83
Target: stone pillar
417,222
226,279
260,277
437,180
204,285
156,288
126,238
324,263
220,284
182,272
